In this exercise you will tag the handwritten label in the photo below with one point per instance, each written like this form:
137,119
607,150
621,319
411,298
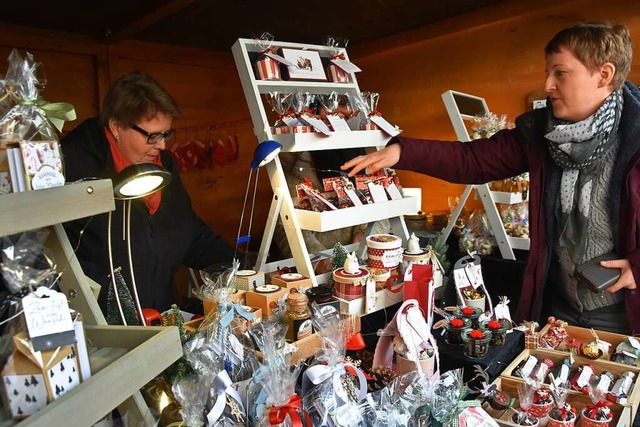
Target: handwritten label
338,123
46,312
385,125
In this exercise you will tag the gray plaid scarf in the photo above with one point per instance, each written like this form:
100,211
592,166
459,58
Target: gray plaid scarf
577,148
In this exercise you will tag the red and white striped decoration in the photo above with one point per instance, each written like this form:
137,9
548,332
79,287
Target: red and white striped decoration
368,126
268,69
337,74
302,129
280,130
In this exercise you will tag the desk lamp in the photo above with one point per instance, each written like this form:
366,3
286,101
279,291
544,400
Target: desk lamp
265,152
133,182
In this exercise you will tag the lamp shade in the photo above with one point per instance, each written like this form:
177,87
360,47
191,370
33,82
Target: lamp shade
140,180
265,152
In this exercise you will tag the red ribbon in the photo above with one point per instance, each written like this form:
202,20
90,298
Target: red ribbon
308,111
288,113
277,414
340,56
593,409
270,49
374,113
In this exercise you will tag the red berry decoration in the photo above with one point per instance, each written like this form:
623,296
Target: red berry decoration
476,334
494,324
457,323
467,311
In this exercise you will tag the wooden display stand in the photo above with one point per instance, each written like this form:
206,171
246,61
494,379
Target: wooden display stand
294,220
461,107
123,358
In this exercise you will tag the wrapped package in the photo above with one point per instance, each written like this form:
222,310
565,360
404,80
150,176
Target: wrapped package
367,102
281,104
29,127
332,388
336,73
266,67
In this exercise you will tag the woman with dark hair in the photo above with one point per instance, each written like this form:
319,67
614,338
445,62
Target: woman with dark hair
134,126
582,153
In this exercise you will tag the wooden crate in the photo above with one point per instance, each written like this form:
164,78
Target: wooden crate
584,334
599,365
622,414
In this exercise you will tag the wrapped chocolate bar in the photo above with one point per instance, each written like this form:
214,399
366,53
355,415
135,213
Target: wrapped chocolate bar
562,371
621,388
29,127
627,352
267,68
556,334
331,387
281,104
582,377
367,102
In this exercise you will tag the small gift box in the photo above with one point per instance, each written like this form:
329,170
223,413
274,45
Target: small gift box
265,297
291,281
246,280
337,74
32,378
350,286
531,337
267,68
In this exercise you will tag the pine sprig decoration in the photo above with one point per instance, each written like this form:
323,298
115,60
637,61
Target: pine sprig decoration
338,256
180,367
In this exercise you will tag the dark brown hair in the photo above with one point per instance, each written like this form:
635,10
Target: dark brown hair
595,44
135,96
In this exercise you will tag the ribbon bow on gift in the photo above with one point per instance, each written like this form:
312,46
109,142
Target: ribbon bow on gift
593,409
223,387
288,113
453,416
56,112
338,56
308,112
232,310
269,49
277,414
374,113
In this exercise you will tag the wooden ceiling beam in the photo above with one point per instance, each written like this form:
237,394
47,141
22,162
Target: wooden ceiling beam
152,18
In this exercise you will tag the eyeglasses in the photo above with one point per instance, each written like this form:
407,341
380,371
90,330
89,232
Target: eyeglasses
155,137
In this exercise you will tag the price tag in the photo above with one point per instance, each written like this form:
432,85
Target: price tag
290,121
281,59
48,319
318,124
394,192
528,366
338,123
377,193
347,66
385,125
370,295
351,194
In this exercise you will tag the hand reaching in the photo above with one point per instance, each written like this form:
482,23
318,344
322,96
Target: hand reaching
626,279
385,158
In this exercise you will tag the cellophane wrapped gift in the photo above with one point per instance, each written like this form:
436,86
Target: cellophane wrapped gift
303,105
333,388
267,68
281,104
476,234
337,110
367,102
26,264
29,125
563,414
337,74
406,401
271,395
449,408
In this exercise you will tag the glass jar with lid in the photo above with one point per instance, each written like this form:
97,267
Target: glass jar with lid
297,316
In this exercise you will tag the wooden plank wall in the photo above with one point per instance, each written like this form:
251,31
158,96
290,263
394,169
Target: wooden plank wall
205,85
496,53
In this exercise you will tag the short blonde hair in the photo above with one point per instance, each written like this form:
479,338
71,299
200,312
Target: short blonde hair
595,44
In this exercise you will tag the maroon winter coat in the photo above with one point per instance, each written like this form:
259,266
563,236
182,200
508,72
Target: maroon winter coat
512,152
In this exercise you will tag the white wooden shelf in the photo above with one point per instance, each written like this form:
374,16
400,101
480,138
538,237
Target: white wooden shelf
150,350
126,357
296,142
522,243
266,86
41,208
332,220
507,198
384,298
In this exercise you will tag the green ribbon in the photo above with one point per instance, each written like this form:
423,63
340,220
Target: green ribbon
454,415
56,112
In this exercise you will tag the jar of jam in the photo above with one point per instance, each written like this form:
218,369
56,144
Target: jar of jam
297,317
476,343
454,328
498,330
471,313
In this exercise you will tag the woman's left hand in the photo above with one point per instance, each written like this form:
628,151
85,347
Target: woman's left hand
626,279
